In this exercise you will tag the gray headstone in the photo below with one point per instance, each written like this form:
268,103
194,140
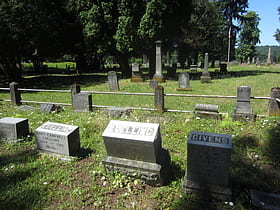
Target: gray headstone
273,107
135,148
136,75
207,111
184,81
208,165
47,108
117,111
205,78
13,128
243,111
82,102
113,81
58,138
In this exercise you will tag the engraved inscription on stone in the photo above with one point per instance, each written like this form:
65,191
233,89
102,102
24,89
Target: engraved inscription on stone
58,138
209,158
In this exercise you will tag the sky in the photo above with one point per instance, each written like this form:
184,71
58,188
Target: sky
267,11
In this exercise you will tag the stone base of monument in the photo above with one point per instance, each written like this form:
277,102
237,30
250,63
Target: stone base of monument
154,174
208,115
205,78
243,117
137,79
159,78
117,111
184,89
207,191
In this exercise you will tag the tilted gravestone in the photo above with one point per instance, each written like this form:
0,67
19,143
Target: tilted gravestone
113,81
243,111
184,82
13,128
135,149
58,138
82,102
208,165
47,108
207,111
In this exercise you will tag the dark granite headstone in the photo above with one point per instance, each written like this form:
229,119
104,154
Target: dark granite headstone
135,149
113,81
82,102
13,128
243,111
184,82
58,138
208,165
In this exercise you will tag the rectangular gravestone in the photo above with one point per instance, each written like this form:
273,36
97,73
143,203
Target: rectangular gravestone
193,68
184,82
243,111
135,149
82,102
113,81
208,165
136,74
58,138
13,128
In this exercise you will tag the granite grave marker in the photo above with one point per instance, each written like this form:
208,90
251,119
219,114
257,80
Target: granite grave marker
58,138
13,128
134,149
208,165
113,81
184,82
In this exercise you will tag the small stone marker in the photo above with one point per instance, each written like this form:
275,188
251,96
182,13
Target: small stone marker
136,75
205,78
193,68
273,108
135,149
117,111
58,138
208,165
47,108
82,102
207,111
184,82
13,128
113,81
243,111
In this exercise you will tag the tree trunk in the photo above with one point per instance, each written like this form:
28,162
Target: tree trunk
12,68
124,66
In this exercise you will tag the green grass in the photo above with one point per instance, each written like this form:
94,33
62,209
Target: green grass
29,180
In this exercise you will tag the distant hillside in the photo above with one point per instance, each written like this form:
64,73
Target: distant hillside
262,52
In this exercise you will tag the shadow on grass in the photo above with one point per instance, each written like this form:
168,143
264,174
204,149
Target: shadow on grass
272,147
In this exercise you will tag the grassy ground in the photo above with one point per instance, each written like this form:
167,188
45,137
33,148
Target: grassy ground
30,180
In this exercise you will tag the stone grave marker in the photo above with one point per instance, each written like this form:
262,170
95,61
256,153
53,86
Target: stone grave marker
58,138
243,111
136,74
205,78
193,68
208,165
273,107
158,75
13,128
134,149
207,111
47,108
82,102
113,81
184,82
117,111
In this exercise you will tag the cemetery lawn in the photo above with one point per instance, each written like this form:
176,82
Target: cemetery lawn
32,180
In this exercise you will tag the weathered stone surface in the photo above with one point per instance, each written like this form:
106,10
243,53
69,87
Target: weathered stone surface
135,149
13,128
158,75
208,164
207,111
113,81
184,82
207,107
273,108
136,74
153,83
193,68
82,102
159,99
58,138
47,108
117,111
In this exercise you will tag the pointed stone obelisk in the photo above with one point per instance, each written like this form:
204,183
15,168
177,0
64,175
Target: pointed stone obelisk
158,75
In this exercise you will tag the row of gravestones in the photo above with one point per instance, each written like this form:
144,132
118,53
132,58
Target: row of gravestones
135,149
